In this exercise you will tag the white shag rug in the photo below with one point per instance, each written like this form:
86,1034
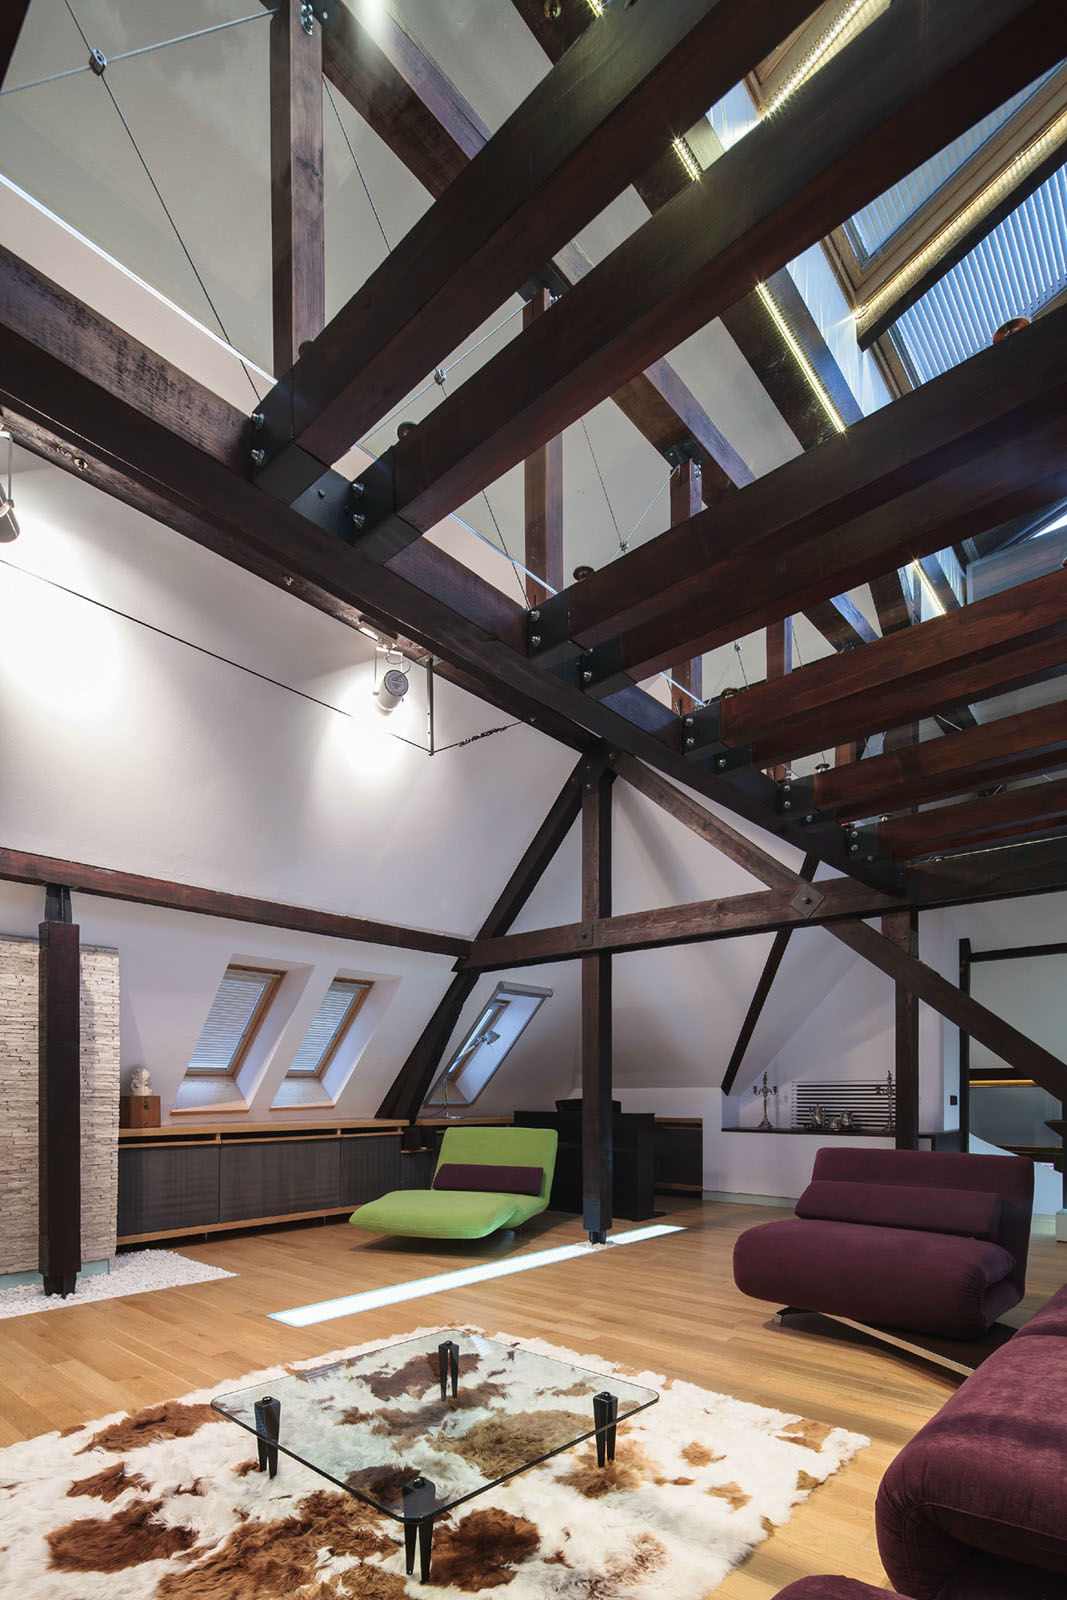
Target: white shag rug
164,1505
135,1273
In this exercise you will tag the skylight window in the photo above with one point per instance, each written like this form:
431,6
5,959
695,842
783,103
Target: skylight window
237,1011
338,1009
486,1045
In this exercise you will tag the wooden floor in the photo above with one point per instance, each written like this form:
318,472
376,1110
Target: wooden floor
668,1304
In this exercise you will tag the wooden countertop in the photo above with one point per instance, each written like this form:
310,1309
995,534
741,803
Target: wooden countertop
332,1125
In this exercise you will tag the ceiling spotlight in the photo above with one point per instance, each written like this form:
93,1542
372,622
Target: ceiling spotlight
9,527
392,689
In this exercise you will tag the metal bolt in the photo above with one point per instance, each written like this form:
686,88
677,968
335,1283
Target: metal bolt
853,849
98,62
80,463
358,520
307,18
721,764
258,457
688,721
535,639
359,489
787,805
535,616
809,818
258,419
689,743
439,376
786,788
587,677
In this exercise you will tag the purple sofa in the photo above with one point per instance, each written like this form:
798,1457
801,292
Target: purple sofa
835,1589
975,1505
924,1241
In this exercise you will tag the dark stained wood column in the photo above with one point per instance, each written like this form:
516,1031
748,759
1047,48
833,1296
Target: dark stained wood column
779,662
544,495
902,927
297,231
597,1176
686,491
59,1096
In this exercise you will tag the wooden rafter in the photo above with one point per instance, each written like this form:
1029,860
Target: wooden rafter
991,753
1010,814
979,650
979,442
1014,1047
20,866
543,497
559,159
914,79
297,226
12,17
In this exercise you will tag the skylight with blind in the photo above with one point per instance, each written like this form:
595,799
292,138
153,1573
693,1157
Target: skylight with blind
483,1051
337,1011
237,1011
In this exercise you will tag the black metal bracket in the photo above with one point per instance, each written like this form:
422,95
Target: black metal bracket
863,846
548,632
795,798
684,450
700,739
57,906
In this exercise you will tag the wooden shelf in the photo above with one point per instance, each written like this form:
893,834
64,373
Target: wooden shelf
824,1133
231,1130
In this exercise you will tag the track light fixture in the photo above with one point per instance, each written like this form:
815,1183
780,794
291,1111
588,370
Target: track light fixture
9,527
391,687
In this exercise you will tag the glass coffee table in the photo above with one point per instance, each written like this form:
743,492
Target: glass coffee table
416,1428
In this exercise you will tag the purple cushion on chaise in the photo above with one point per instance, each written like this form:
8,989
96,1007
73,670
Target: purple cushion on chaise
489,1179
984,1483
974,1213
929,1282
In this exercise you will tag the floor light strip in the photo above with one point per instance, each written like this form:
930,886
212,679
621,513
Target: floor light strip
347,1305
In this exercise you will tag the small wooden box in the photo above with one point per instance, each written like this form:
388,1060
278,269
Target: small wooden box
138,1111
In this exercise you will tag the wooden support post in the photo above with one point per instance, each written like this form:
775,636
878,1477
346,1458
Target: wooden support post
297,231
597,1177
544,496
59,1097
763,989
965,1051
686,491
779,663
902,927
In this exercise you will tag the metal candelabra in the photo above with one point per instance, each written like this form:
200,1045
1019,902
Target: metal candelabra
766,1092
889,1090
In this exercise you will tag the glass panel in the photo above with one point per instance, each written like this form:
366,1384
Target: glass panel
487,1044
232,1011
1013,272
376,1421
872,227
327,1026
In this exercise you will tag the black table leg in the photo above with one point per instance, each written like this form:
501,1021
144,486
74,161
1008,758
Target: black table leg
605,1413
448,1365
420,1498
268,1417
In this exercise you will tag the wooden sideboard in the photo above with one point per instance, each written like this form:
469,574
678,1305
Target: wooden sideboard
175,1181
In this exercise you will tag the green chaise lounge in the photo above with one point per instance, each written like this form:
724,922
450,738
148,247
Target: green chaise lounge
449,1212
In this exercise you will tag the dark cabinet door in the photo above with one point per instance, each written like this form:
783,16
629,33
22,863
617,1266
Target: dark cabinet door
162,1189
277,1179
370,1166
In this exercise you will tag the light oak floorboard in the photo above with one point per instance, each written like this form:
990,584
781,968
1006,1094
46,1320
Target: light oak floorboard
669,1305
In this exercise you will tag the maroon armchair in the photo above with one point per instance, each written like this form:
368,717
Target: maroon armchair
930,1242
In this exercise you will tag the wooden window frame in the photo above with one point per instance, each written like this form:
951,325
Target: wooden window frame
252,1027
352,1010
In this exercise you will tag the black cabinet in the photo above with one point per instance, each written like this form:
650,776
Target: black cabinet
633,1160
173,1182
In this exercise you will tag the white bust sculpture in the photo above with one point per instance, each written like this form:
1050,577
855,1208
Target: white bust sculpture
140,1082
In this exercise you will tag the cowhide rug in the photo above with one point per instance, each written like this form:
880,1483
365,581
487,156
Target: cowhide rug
166,1504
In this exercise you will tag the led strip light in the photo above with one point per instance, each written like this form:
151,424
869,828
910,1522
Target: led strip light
805,365
351,1304
820,53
